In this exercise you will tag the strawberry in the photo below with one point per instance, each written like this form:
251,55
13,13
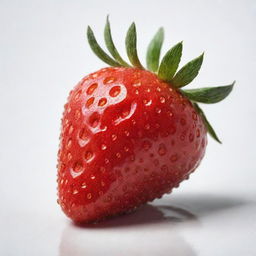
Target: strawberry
130,135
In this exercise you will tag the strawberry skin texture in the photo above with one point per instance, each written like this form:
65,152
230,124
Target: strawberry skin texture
126,138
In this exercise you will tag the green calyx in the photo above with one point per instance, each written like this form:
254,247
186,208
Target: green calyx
166,69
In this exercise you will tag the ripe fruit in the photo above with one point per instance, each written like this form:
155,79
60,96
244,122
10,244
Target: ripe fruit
130,135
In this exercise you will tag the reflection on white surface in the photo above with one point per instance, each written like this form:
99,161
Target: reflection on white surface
155,229
149,231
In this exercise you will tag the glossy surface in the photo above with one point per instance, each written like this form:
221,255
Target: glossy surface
44,52
127,138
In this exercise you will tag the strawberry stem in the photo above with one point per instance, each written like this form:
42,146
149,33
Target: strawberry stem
166,70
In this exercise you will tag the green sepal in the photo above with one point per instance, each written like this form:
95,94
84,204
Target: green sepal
110,45
98,50
188,72
154,50
209,95
131,46
209,128
170,63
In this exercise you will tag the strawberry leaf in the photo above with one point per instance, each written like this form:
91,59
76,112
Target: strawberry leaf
111,47
209,95
154,49
98,50
170,63
210,129
188,72
131,46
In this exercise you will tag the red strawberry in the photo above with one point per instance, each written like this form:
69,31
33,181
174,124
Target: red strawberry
130,135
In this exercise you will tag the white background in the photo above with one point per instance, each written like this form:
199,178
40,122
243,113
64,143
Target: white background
44,53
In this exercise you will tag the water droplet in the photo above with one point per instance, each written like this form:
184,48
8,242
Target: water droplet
158,110
132,158
162,99
78,94
92,88
103,147
71,129
114,91
77,167
191,137
170,113
89,102
88,156
137,84
174,158
147,126
75,191
126,149
194,116
77,114
197,133
83,185
146,145
109,80
95,75
102,169
113,137
66,122
94,120
147,102
69,143
69,156
162,149
125,113
102,102
83,134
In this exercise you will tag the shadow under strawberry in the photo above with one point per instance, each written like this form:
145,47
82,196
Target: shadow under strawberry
177,209
153,229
